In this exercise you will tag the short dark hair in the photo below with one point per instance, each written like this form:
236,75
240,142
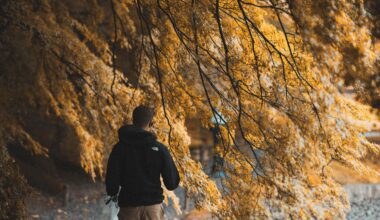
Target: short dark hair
142,115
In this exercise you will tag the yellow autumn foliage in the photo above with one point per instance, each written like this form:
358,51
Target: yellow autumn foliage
262,69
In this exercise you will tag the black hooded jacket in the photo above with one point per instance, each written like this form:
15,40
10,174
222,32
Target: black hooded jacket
136,163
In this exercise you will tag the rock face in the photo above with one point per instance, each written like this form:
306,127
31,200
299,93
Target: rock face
62,99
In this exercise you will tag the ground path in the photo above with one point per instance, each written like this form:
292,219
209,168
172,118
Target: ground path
85,200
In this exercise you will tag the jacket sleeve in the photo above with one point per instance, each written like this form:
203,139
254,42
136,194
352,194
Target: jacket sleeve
113,173
169,170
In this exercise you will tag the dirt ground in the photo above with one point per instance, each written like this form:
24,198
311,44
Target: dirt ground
84,199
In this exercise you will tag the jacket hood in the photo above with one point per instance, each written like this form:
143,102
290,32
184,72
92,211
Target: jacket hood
133,135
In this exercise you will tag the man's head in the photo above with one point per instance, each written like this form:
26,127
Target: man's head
142,116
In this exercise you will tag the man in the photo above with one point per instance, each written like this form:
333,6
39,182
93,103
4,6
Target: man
135,164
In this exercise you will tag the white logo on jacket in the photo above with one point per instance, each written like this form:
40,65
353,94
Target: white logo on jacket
155,148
